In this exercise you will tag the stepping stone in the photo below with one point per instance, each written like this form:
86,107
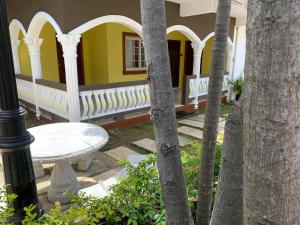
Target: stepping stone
191,132
146,144
150,145
120,153
106,175
199,118
183,141
192,123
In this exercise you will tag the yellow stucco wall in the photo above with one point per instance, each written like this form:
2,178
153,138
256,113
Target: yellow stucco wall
115,54
49,53
95,55
180,37
207,58
24,57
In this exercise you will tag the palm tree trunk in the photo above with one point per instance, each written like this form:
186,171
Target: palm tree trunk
212,113
228,206
163,113
272,114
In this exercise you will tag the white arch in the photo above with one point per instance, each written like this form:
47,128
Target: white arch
229,42
130,23
191,35
15,27
38,22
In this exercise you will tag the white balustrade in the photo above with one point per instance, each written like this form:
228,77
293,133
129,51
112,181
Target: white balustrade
97,103
25,90
53,100
199,87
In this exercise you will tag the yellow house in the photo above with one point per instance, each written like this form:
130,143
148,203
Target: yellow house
93,65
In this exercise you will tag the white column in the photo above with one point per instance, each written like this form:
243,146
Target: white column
34,45
69,44
15,52
230,63
198,48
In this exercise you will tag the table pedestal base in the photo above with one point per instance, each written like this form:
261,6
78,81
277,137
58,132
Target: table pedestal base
38,170
85,162
63,178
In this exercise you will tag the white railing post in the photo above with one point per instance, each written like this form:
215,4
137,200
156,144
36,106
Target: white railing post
34,45
69,44
198,48
15,43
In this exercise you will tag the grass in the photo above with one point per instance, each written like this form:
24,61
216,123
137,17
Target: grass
124,136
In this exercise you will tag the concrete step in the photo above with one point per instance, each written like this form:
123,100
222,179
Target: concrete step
191,132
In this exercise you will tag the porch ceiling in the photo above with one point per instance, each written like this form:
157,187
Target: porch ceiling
196,7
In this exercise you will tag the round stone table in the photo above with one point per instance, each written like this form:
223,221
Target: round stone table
60,143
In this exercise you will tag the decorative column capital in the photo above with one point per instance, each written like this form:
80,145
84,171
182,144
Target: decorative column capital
34,45
69,43
197,47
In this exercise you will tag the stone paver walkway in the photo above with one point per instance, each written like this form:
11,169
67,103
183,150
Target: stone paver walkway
191,132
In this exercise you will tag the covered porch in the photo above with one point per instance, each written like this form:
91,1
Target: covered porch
98,69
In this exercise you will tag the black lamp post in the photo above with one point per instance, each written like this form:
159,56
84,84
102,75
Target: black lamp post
15,140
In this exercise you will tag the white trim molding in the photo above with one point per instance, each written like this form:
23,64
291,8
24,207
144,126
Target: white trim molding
191,35
37,23
229,41
15,27
130,23
15,43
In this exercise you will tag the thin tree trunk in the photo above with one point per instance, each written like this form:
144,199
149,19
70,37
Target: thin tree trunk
163,113
212,113
272,114
228,206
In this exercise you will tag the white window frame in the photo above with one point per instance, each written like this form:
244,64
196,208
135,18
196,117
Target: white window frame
140,46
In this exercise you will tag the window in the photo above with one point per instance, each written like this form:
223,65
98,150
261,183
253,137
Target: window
133,54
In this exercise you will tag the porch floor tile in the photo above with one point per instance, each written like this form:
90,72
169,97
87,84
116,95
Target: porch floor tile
191,132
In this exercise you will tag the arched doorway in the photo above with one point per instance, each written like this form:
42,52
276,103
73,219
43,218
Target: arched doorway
181,54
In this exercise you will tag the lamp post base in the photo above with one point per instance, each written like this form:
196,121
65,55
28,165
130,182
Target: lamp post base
17,163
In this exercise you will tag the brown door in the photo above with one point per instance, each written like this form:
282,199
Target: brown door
189,59
174,54
61,64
